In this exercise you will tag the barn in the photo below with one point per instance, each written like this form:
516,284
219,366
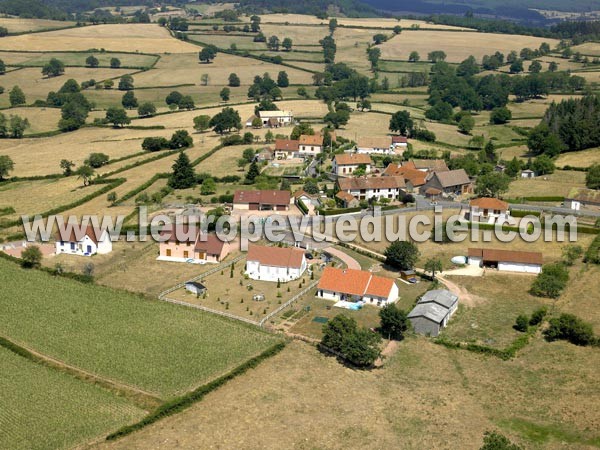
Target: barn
266,200
506,260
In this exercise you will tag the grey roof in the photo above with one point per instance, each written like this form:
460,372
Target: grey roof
451,178
195,284
431,311
441,297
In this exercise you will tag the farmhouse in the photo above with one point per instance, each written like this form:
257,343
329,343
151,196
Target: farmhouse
276,119
182,244
348,200
267,200
250,122
275,263
346,163
286,148
86,242
488,210
356,286
413,178
427,165
365,188
455,182
375,145
310,145
580,197
506,260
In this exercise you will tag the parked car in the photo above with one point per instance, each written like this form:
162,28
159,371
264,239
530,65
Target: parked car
309,255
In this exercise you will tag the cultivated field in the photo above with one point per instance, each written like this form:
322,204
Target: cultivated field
145,38
161,348
44,408
78,59
458,46
22,25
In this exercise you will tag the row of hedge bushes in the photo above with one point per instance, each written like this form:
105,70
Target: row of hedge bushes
592,254
504,354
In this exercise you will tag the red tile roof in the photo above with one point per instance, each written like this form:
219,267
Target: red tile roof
210,244
287,145
399,139
308,139
352,158
347,184
355,282
73,234
489,203
497,255
414,176
266,197
276,256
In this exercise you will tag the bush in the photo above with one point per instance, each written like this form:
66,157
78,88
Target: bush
154,144
234,139
522,323
551,282
538,316
31,257
570,328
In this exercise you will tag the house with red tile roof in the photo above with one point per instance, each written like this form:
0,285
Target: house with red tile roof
346,163
182,243
413,178
351,285
275,263
83,241
286,148
489,210
265,200
310,144
366,188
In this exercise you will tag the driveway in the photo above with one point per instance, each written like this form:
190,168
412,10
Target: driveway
347,259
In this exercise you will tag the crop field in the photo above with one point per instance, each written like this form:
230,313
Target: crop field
298,34
224,162
43,408
22,25
173,70
161,348
352,46
78,58
144,38
376,123
294,56
404,66
41,120
225,41
458,46
557,184
36,87
588,48
486,393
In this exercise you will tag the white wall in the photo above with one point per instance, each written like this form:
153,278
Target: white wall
256,271
519,267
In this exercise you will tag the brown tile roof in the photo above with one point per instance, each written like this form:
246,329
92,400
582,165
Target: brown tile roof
308,139
266,197
287,145
497,255
73,234
210,243
432,191
347,184
276,256
452,177
489,203
352,158
345,196
433,165
374,142
399,139
354,282
416,177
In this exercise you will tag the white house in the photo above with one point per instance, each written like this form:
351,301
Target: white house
346,163
380,145
506,260
275,263
365,188
356,286
276,119
310,145
489,210
86,242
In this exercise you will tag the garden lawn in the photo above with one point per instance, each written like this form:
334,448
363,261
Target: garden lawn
158,347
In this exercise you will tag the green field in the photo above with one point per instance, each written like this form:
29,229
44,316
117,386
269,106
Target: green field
42,408
158,347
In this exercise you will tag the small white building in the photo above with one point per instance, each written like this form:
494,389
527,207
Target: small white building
86,242
351,285
275,263
276,119
380,145
489,210
345,164
506,260
527,173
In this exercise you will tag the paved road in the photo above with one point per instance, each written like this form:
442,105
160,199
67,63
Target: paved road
347,259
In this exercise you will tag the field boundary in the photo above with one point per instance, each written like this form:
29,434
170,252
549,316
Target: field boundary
288,303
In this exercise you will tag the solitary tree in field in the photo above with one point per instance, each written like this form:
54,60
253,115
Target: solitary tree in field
535,67
282,79
183,176
53,68
397,29
379,38
146,109
85,173
129,101
92,61
273,43
67,167
96,160
31,257
117,116
287,44
6,166
207,54
234,80
201,123
225,93
436,56
16,96
115,63
401,122
401,255
126,83
414,56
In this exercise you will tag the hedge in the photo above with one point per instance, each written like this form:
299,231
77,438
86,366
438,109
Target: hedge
141,187
335,212
301,206
592,254
178,404
523,213
505,354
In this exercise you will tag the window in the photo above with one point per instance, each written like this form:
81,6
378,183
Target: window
168,252
186,254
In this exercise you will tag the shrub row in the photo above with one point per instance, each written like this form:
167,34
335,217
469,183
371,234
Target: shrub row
180,403
141,187
301,206
592,254
504,354
523,213
335,212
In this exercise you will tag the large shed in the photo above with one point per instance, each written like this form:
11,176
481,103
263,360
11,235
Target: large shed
428,318
506,260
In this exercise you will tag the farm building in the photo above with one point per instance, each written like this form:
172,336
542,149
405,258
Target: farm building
408,275
506,260
527,173
275,263
183,244
381,145
579,197
413,178
441,297
488,210
429,318
455,182
346,163
195,288
276,119
427,165
364,188
356,286
310,145
399,142
86,242
266,200
348,200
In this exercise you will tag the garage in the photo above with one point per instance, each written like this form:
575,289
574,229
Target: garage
506,260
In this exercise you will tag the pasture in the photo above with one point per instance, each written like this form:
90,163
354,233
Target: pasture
44,408
557,184
583,158
158,347
457,45
144,38
78,58
23,25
